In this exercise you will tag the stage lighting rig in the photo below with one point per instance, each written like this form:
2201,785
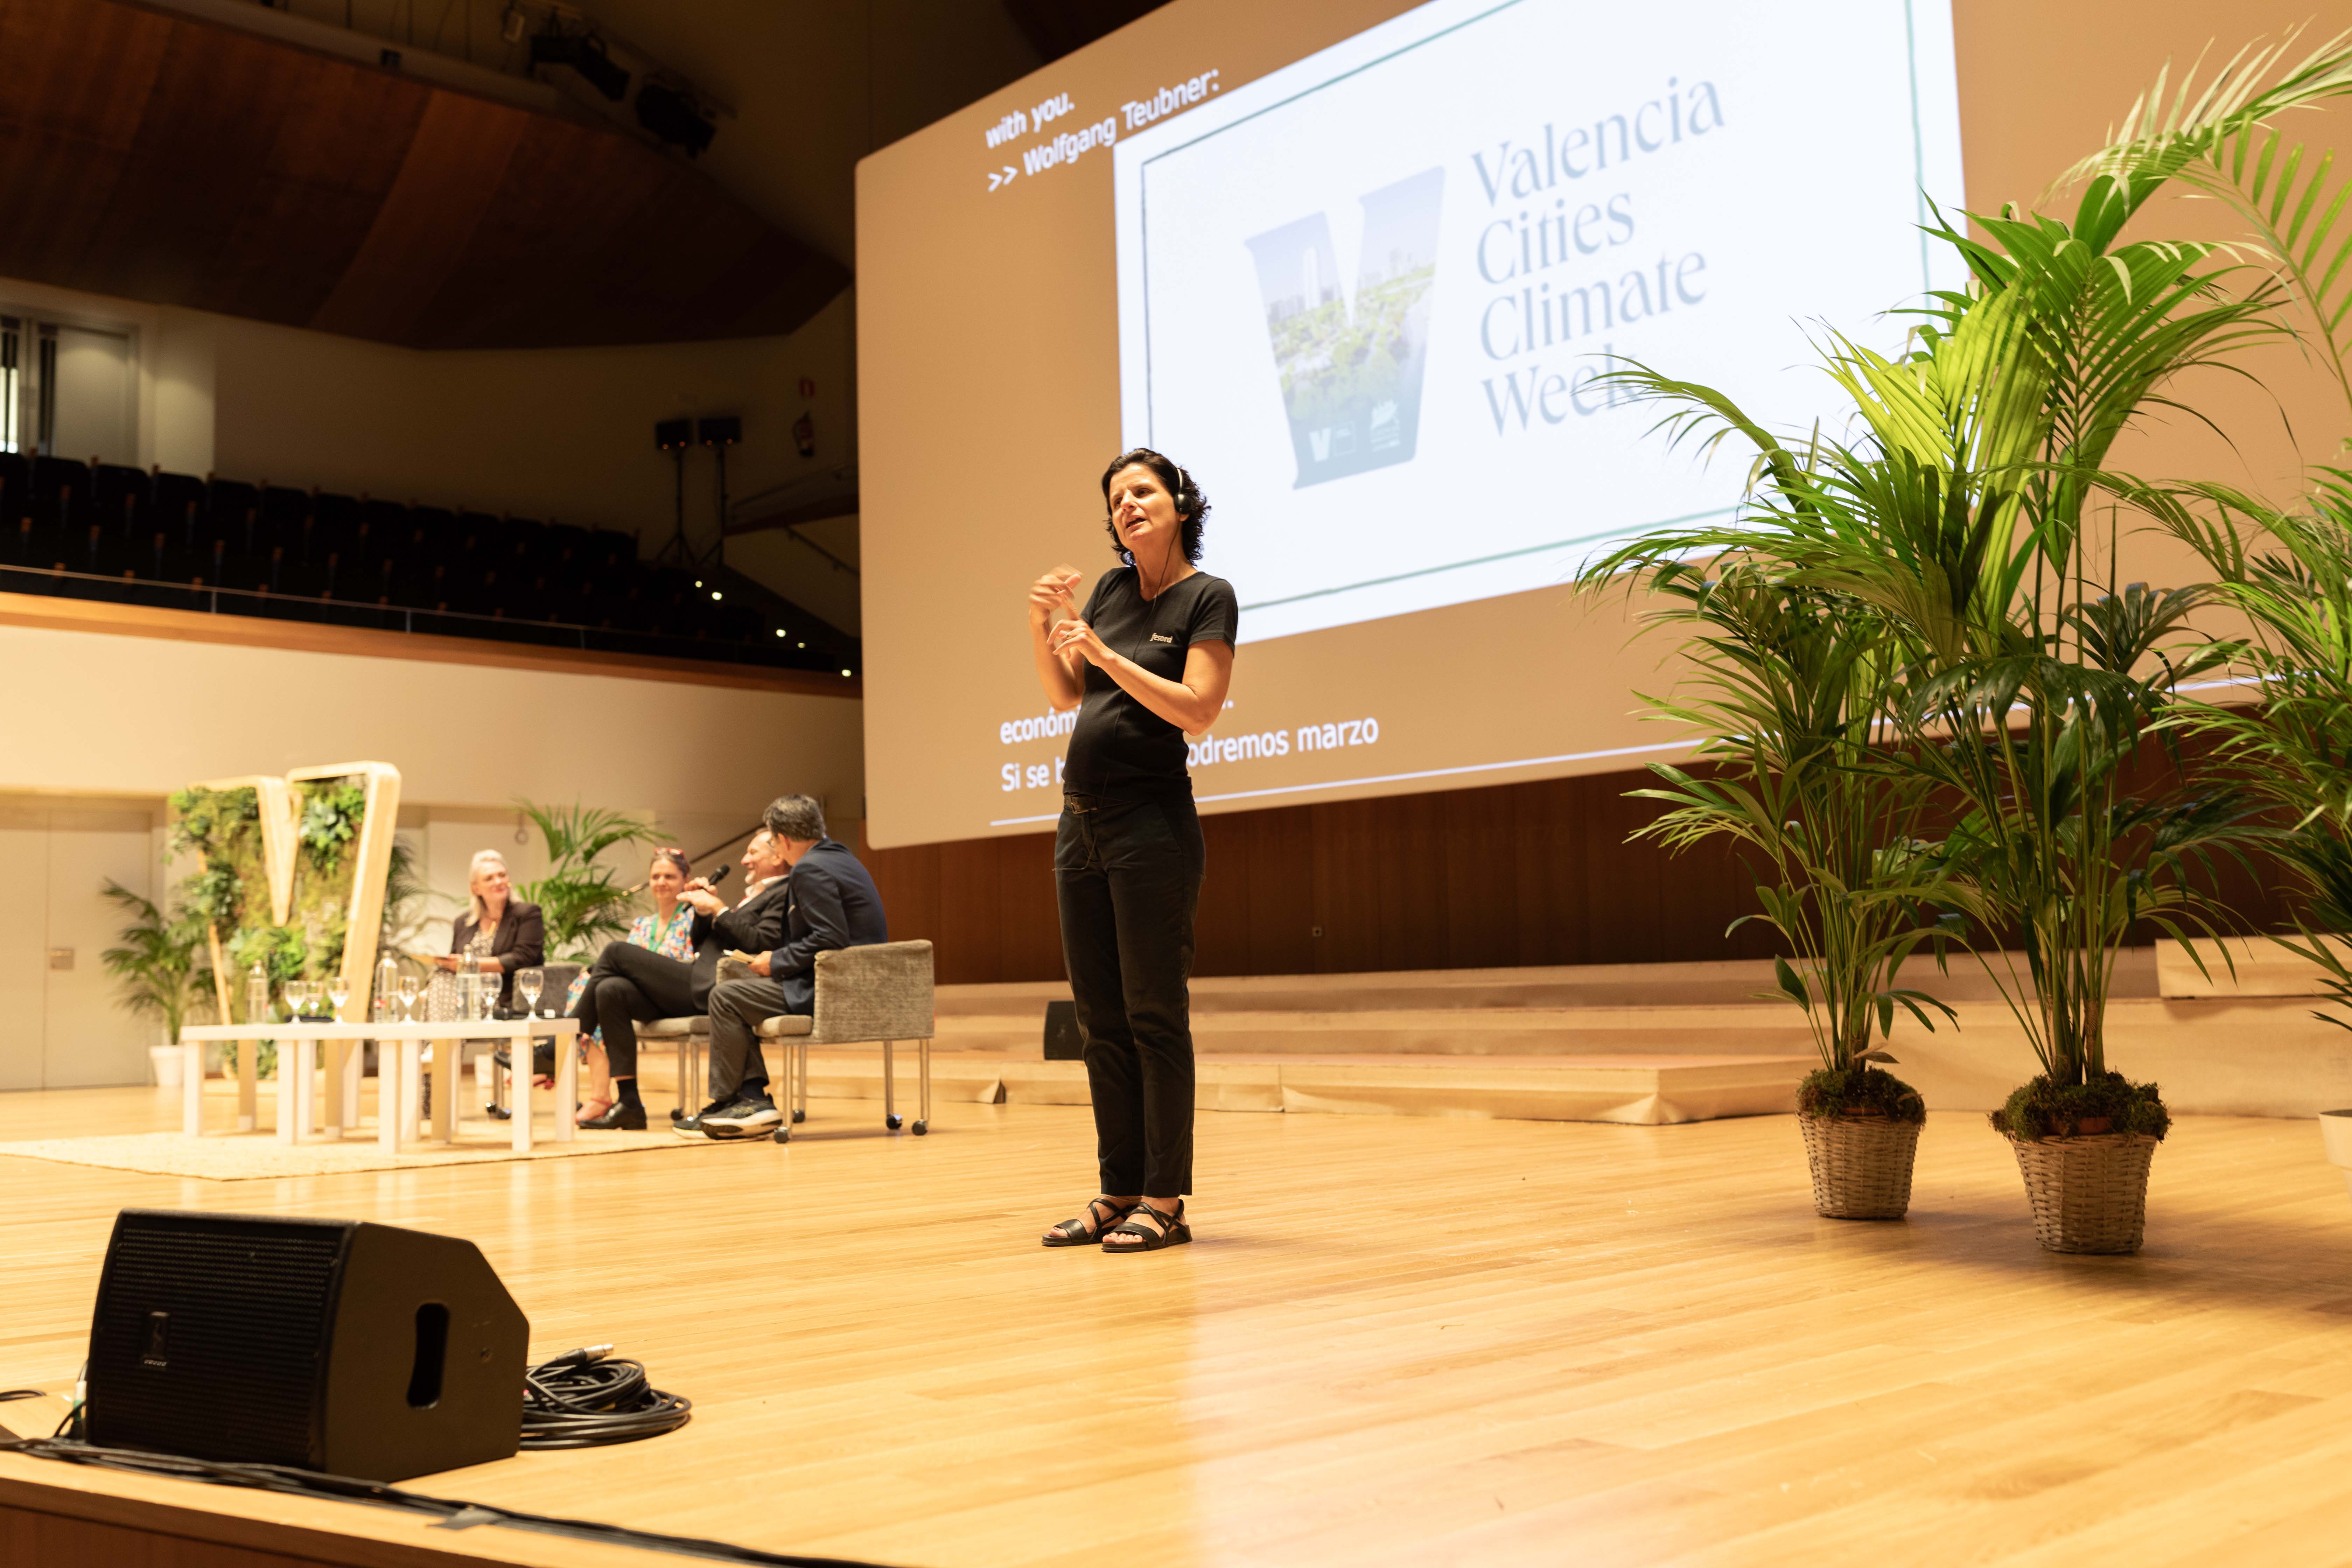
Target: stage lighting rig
674,117
585,53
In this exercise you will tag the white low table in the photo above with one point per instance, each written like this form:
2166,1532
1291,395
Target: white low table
396,1092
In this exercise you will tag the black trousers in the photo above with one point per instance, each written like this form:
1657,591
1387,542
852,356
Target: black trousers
1129,879
627,985
737,1071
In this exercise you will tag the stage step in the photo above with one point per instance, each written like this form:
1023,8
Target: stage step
1750,1028
1652,1009
1647,1090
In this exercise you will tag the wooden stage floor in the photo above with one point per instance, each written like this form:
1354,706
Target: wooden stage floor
1397,1342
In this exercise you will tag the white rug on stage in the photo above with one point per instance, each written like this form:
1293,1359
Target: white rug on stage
238,1157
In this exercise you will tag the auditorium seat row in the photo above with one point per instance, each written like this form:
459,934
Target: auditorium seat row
104,531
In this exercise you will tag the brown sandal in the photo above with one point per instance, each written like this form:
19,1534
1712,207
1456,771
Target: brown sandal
1086,1228
1172,1231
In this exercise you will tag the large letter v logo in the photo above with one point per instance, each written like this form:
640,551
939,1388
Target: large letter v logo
1351,383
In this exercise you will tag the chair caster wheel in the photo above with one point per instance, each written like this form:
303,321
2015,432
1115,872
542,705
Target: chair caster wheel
784,1134
498,1112
676,1114
894,1123
921,1128
800,1116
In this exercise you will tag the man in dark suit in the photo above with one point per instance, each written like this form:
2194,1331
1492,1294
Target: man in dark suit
833,903
630,985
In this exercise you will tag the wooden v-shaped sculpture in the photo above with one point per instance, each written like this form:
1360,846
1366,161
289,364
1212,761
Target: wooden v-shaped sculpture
294,872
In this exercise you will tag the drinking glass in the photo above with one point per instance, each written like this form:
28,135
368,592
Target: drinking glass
408,988
529,982
298,1000
491,986
338,990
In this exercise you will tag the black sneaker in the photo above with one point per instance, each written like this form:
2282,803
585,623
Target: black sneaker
691,1126
744,1119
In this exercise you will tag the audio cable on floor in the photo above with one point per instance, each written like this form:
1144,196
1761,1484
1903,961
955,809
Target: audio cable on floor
586,1398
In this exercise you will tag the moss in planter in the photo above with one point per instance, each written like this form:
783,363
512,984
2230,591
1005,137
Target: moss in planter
2041,1109
1859,1091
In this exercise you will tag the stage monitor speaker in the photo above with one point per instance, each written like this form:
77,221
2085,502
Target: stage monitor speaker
1063,1041
336,1346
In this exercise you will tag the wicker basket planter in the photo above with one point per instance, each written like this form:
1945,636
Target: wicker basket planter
2090,1193
1861,1166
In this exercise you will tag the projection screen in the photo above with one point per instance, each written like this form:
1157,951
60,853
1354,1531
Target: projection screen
1360,272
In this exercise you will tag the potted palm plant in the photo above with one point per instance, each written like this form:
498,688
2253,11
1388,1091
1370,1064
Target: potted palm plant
154,961
2285,569
1792,688
582,903
2032,686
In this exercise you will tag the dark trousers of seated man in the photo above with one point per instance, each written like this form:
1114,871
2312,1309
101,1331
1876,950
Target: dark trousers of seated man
628,986
737,1007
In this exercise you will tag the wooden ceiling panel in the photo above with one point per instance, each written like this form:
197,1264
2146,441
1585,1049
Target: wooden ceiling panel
185,203
82,73
164,158
424,224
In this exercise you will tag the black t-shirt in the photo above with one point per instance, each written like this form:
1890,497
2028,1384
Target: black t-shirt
1122,750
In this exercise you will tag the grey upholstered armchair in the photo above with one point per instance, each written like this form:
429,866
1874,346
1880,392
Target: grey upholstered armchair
881,991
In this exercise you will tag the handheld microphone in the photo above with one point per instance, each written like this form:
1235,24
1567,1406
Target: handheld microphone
718,876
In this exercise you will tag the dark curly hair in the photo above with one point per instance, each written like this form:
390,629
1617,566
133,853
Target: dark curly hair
1191,506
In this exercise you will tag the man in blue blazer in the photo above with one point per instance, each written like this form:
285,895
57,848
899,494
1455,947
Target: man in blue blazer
831,903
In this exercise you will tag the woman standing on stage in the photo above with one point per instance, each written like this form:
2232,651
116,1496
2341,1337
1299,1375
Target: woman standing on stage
1145,662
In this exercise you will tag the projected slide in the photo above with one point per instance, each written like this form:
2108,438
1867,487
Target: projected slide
1368,298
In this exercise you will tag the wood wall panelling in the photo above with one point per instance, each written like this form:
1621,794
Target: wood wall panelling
1514,874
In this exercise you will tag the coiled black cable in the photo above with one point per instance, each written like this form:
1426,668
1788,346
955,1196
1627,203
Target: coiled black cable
586,1398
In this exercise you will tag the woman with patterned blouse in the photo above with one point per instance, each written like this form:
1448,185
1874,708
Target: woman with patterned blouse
668,931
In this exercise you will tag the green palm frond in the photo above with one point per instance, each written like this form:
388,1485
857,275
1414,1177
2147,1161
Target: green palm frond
2219,140
581,903
154,959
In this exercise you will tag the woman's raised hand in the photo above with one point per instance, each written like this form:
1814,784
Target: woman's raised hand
1050,597
1075,636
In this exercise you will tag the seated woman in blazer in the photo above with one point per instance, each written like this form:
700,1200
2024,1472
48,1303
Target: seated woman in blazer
500,933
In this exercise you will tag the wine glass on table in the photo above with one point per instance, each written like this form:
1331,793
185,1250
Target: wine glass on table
408,989
338,990
529,984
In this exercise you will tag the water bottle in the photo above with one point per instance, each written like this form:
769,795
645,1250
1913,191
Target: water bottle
257,995
387,981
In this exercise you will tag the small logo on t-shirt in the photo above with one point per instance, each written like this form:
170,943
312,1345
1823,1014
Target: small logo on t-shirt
1157,638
